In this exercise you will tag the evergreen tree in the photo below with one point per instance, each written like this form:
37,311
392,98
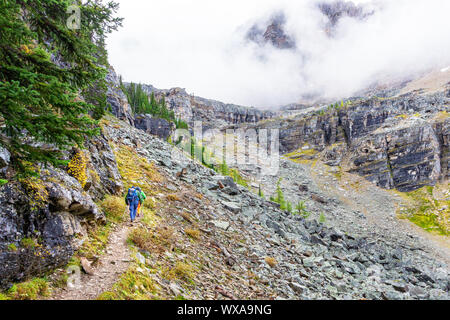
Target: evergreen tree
141,103
223,168
39,98
280,197
300,208
154,105
289,207
260,192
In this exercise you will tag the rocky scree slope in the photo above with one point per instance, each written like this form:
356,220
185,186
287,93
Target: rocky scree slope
399,142
352,204
310,259
258,250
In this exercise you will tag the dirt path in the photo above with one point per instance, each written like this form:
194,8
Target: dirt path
112,264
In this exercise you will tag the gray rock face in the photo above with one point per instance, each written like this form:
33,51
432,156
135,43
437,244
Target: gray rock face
5,158
116,99
212,113
72,201
158,127
273,34
103,173
397,143
339,9
51,223
36,239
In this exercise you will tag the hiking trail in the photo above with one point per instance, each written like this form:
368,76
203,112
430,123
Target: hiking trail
110,266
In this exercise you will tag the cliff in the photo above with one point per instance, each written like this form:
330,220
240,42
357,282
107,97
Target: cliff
212,113
399,142
44,220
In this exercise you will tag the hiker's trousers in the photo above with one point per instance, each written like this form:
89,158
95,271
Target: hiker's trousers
133,209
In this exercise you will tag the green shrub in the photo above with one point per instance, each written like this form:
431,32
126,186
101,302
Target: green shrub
114,208
182,271
132,285
427,211
300,209
260,192
3,297
28,243
142,238
289,207
322,218
30,290
280,197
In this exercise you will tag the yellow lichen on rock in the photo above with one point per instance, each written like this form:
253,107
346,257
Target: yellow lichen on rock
77,168
36,191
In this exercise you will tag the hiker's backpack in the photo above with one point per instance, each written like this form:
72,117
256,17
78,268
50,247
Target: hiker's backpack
132,195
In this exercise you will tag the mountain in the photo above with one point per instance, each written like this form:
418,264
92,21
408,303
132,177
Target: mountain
384,140
337,10
212,113
356,207
194,222
273,30
273,34
396,142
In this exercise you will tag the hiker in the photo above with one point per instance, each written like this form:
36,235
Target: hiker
142,198
132,200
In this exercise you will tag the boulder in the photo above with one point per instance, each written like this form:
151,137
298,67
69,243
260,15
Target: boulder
41,234
158,127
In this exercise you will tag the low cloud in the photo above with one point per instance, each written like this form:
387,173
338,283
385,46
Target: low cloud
201,45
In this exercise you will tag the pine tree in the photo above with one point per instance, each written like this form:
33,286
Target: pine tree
280,195
223,169
154,105
260,192
39,98
300,208
289,207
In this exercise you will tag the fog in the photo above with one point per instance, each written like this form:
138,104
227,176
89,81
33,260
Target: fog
201,45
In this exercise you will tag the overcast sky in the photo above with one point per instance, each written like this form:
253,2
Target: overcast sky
199,45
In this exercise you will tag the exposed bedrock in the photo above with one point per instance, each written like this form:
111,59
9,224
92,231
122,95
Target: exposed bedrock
158,127
43,221
212,113
400,143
